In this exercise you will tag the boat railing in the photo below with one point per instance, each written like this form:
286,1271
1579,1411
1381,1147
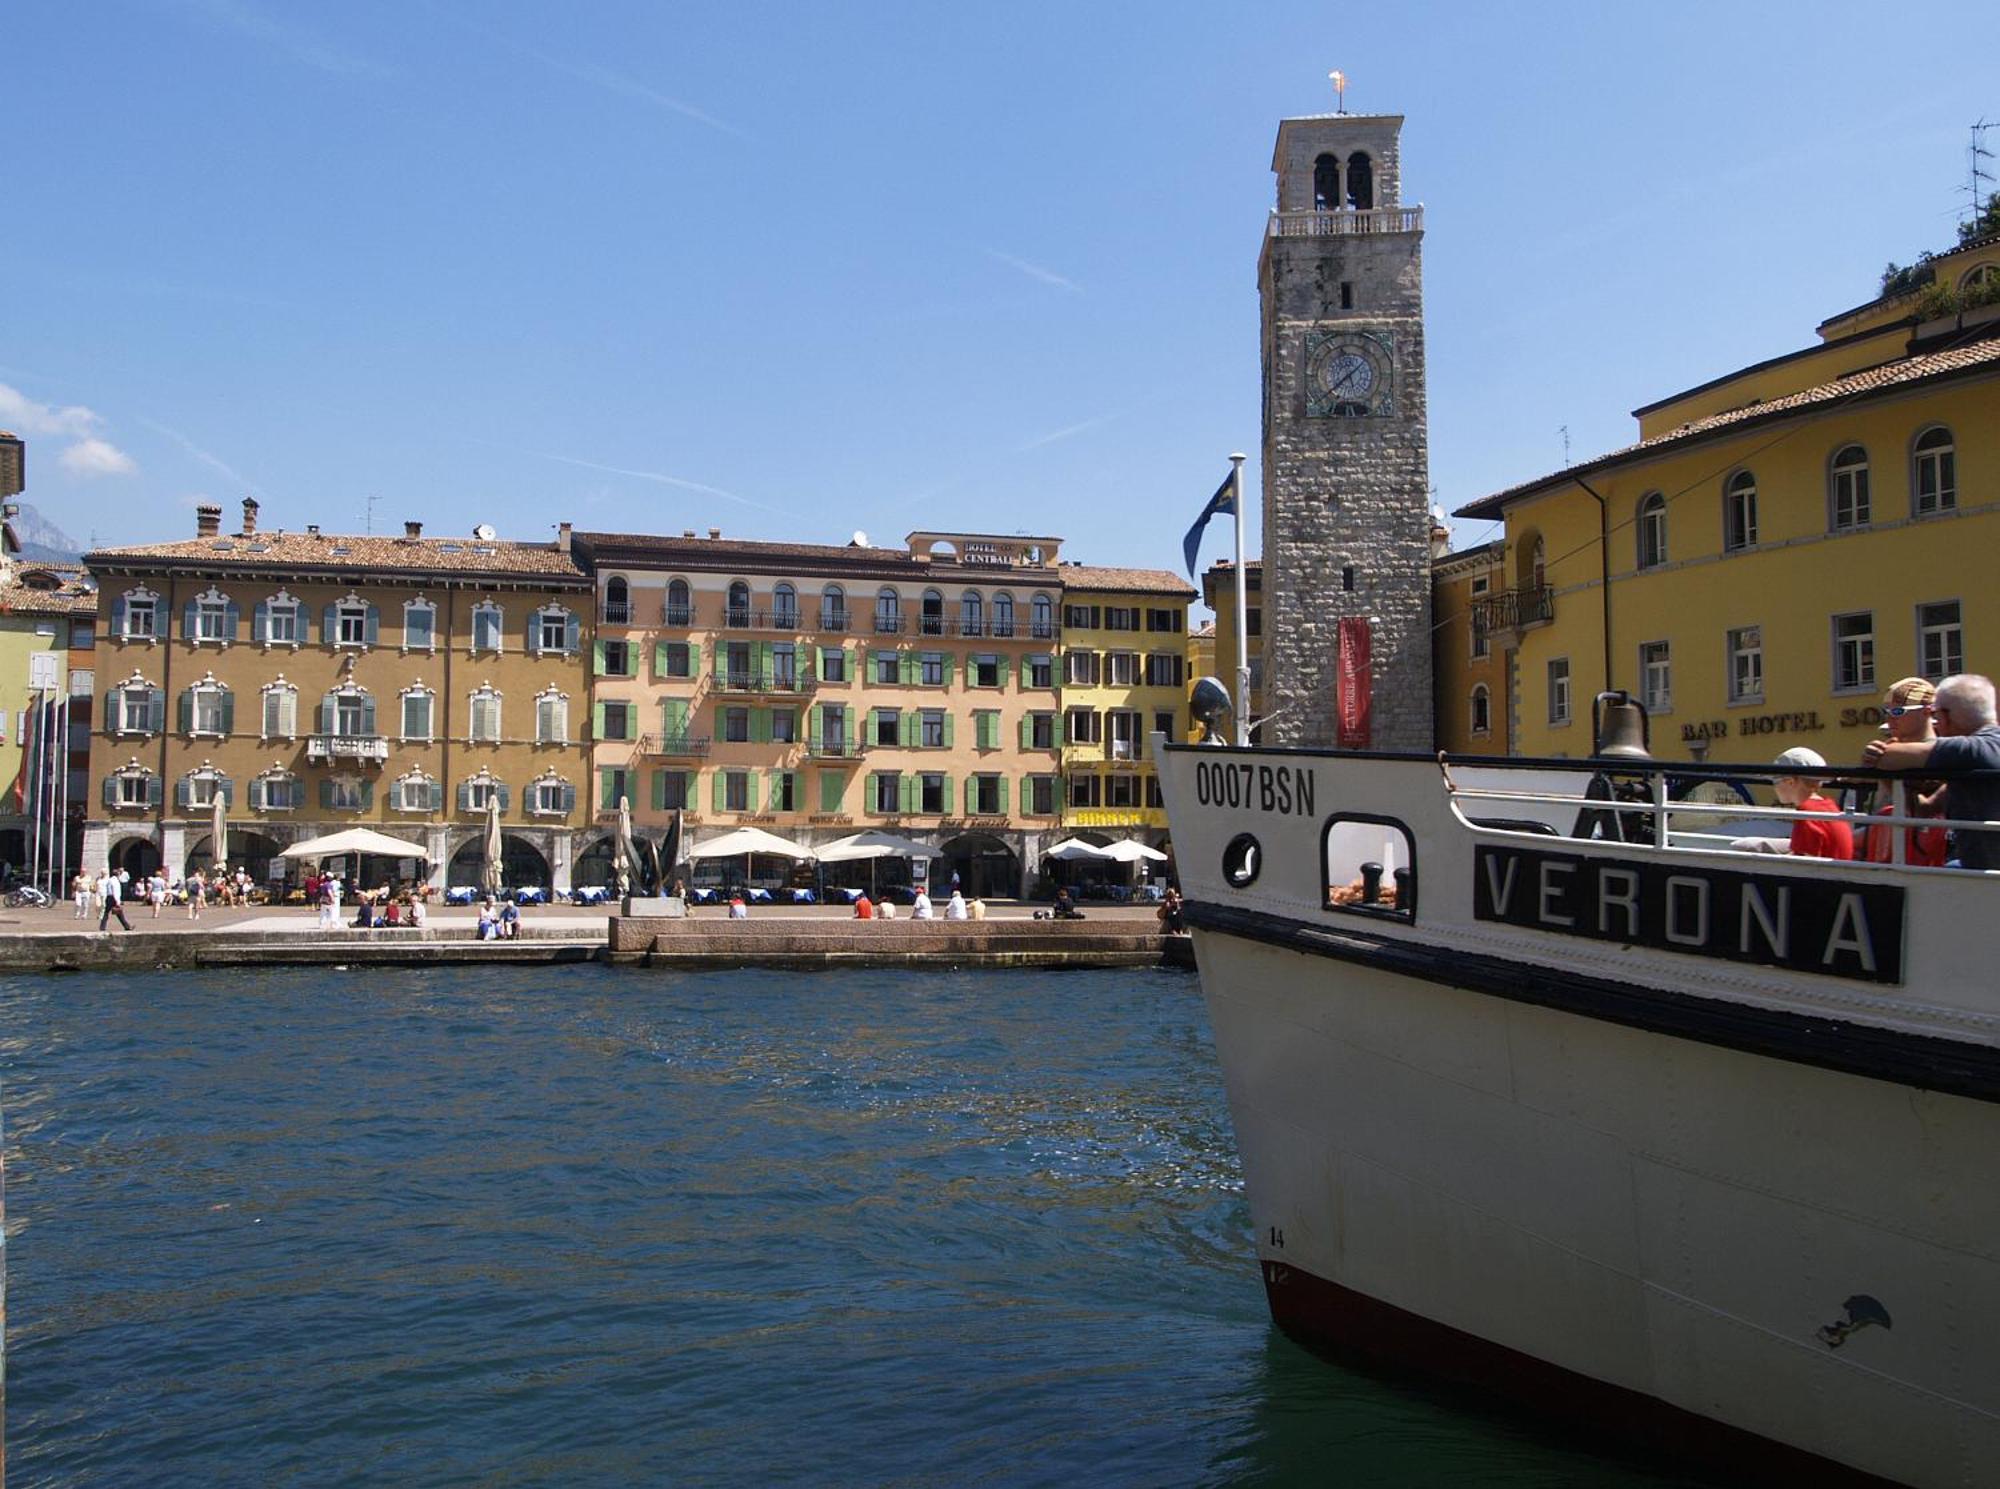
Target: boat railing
1622,789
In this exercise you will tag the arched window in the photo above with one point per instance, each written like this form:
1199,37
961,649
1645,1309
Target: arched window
833,608
1980,275
1042,617
1326,183
1847,489
971,614
888,612
1934,480
680,603
1652,530
1739,512
617,601
738,611
785,608
1360,182
1482,710
933,613
1003,614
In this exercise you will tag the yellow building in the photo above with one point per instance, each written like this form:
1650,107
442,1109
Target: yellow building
1782,542
1124,661
1466,668
1218,592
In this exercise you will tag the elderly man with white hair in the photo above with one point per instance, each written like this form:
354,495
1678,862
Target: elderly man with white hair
1968,739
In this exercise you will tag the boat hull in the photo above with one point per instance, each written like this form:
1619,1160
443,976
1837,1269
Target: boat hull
1661,1235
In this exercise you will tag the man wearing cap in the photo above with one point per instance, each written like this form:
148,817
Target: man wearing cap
1906,719
1810,839
1968,738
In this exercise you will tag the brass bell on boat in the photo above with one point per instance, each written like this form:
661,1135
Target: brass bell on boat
1619,725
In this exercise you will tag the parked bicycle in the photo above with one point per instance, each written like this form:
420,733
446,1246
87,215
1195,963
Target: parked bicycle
26,894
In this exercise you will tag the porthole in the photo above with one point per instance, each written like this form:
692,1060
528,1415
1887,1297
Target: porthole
1241,861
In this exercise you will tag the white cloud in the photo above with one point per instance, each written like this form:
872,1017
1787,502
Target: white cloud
88,455
95,457
1036,271
26,416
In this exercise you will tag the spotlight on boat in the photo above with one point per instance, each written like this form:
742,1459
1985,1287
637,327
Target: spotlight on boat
1210,704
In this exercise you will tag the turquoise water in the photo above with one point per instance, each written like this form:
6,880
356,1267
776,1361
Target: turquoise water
583,1226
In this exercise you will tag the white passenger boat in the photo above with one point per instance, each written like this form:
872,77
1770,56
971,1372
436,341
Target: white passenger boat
1685,1141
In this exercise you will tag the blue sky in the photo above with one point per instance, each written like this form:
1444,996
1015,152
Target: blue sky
793,270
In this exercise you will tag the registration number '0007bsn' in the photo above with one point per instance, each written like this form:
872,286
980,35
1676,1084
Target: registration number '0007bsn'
1247,786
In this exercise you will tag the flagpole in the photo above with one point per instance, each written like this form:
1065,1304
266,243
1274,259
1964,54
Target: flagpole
1242,610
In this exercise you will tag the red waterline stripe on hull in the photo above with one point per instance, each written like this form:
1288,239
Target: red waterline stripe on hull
1352,1325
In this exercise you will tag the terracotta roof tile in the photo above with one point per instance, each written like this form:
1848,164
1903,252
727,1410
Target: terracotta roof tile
749,555
1908,370
20,599
1132,581
347,553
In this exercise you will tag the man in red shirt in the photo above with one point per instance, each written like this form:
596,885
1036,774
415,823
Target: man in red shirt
1832,839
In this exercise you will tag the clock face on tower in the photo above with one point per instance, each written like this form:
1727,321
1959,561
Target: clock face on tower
1349,375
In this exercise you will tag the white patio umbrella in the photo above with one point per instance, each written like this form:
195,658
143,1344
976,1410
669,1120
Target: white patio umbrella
1071,849
355,840
218,828
746,841
1131,850
874,844
490,871
628,854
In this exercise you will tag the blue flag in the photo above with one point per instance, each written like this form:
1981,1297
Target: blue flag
1224,500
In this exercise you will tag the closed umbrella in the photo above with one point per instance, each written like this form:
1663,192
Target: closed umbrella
219,831
490,873
628,855
669,851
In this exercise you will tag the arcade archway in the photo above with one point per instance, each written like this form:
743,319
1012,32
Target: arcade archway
136,856
522,864
986,867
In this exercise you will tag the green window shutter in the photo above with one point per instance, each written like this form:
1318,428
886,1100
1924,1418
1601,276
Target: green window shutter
1002,783
985,727
1056,730
597,721
718,793
760,726
950,670
186,710
947,731
367,796
750,790
659,788
229,712
968,796
944,794
674,718
605,786
813,732
766,670
597,658
912,729
906,668
847,727
909,796
694,659
1027,730
832,784
1006,671
659,660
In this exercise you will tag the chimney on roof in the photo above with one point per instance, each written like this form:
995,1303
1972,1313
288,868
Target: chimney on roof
312,529
207,520
413,530
563,532
715,532
687,532
249,516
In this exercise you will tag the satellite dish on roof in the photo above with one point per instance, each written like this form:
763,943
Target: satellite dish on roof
484,532
859,540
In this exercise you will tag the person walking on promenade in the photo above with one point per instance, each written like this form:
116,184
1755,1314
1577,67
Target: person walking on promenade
79,890
197,892
112,893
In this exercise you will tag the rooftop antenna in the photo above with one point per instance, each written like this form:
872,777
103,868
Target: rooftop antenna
1975,152
1564,431
368,522
1339,81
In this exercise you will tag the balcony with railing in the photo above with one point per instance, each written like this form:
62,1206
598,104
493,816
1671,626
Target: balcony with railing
1347,224
616,613
738,618
833,749
1502,617
678,616
888,624
730,679
834,620
329,749
674,746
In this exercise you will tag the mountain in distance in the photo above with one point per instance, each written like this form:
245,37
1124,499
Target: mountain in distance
42,542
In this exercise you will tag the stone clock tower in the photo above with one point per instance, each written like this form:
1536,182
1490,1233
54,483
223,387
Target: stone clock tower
1346,462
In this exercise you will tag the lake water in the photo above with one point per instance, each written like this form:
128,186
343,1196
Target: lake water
588,1226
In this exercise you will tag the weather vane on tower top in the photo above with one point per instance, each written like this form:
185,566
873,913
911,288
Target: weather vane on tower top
1339,81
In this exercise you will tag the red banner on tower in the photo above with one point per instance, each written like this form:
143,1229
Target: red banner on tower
1356,682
